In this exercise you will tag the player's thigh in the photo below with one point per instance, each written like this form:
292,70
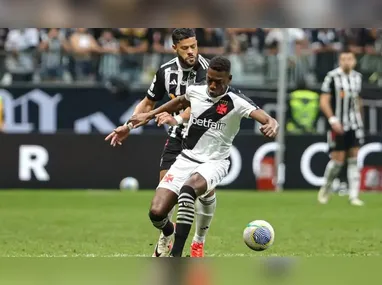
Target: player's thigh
211,174
353,151
162,203
178,174
354,140
337,147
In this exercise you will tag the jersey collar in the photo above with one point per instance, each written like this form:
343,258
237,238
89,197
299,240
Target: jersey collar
343,72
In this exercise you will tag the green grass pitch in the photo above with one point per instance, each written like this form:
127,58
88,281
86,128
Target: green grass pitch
114,223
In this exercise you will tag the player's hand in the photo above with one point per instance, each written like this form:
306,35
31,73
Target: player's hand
139,120
118,135
270,129
337,128
165,118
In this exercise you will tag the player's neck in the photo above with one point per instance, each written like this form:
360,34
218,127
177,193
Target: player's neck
184,66
226,91
346,72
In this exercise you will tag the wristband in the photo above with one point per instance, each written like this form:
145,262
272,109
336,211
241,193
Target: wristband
332,120
179,119
129,125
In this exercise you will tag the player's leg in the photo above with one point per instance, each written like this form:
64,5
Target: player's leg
354,143
164,200
171,150
164,244
204,179
204,211
333,168
162,174
354,177
168,157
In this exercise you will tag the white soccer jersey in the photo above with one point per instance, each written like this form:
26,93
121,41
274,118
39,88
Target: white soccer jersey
214,122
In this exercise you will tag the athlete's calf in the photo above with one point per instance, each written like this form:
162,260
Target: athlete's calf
194,187
161,205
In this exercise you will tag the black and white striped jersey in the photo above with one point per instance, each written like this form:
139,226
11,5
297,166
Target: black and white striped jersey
172,79
345,90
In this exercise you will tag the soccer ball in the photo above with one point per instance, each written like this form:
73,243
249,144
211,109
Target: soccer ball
129,183
259,235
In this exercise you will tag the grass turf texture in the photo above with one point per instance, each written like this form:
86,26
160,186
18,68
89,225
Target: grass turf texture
113,223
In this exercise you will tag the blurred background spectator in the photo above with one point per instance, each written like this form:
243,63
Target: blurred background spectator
110,60
20,45
134,45
92,56
83,47
210,41
52,47
325,45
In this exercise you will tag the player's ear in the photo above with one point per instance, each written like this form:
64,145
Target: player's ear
230,78
174,47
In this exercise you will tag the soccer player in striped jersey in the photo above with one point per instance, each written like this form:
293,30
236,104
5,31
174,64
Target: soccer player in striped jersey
173,78
216,113
342,105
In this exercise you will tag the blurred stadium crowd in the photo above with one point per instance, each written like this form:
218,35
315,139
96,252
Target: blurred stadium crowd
88,56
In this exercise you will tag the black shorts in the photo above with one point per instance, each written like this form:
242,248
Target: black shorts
172,148
346,141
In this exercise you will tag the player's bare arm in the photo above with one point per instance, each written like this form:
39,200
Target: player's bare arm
360,106
328,112
175,105
270,126
122,132
186,114
167,119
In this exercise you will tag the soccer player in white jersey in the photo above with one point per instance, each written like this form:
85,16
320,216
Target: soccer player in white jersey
216,113
172,79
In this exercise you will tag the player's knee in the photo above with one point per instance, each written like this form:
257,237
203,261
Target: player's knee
338,156
158,219
157,213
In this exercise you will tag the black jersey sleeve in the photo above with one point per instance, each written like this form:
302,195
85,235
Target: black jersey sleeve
157,88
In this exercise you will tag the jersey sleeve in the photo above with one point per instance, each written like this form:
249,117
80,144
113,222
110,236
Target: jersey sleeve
327,85
245,106
188,93
157,88
360,86
201,74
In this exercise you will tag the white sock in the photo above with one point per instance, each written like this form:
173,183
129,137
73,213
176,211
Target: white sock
204,212
353,178
331,172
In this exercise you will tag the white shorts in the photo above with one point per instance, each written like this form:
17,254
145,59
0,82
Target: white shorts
212,171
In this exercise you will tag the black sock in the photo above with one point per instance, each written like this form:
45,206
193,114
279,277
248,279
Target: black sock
162,223
185,218
168,229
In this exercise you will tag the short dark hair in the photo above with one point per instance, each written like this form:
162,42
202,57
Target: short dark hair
182,34
220,63
346,49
